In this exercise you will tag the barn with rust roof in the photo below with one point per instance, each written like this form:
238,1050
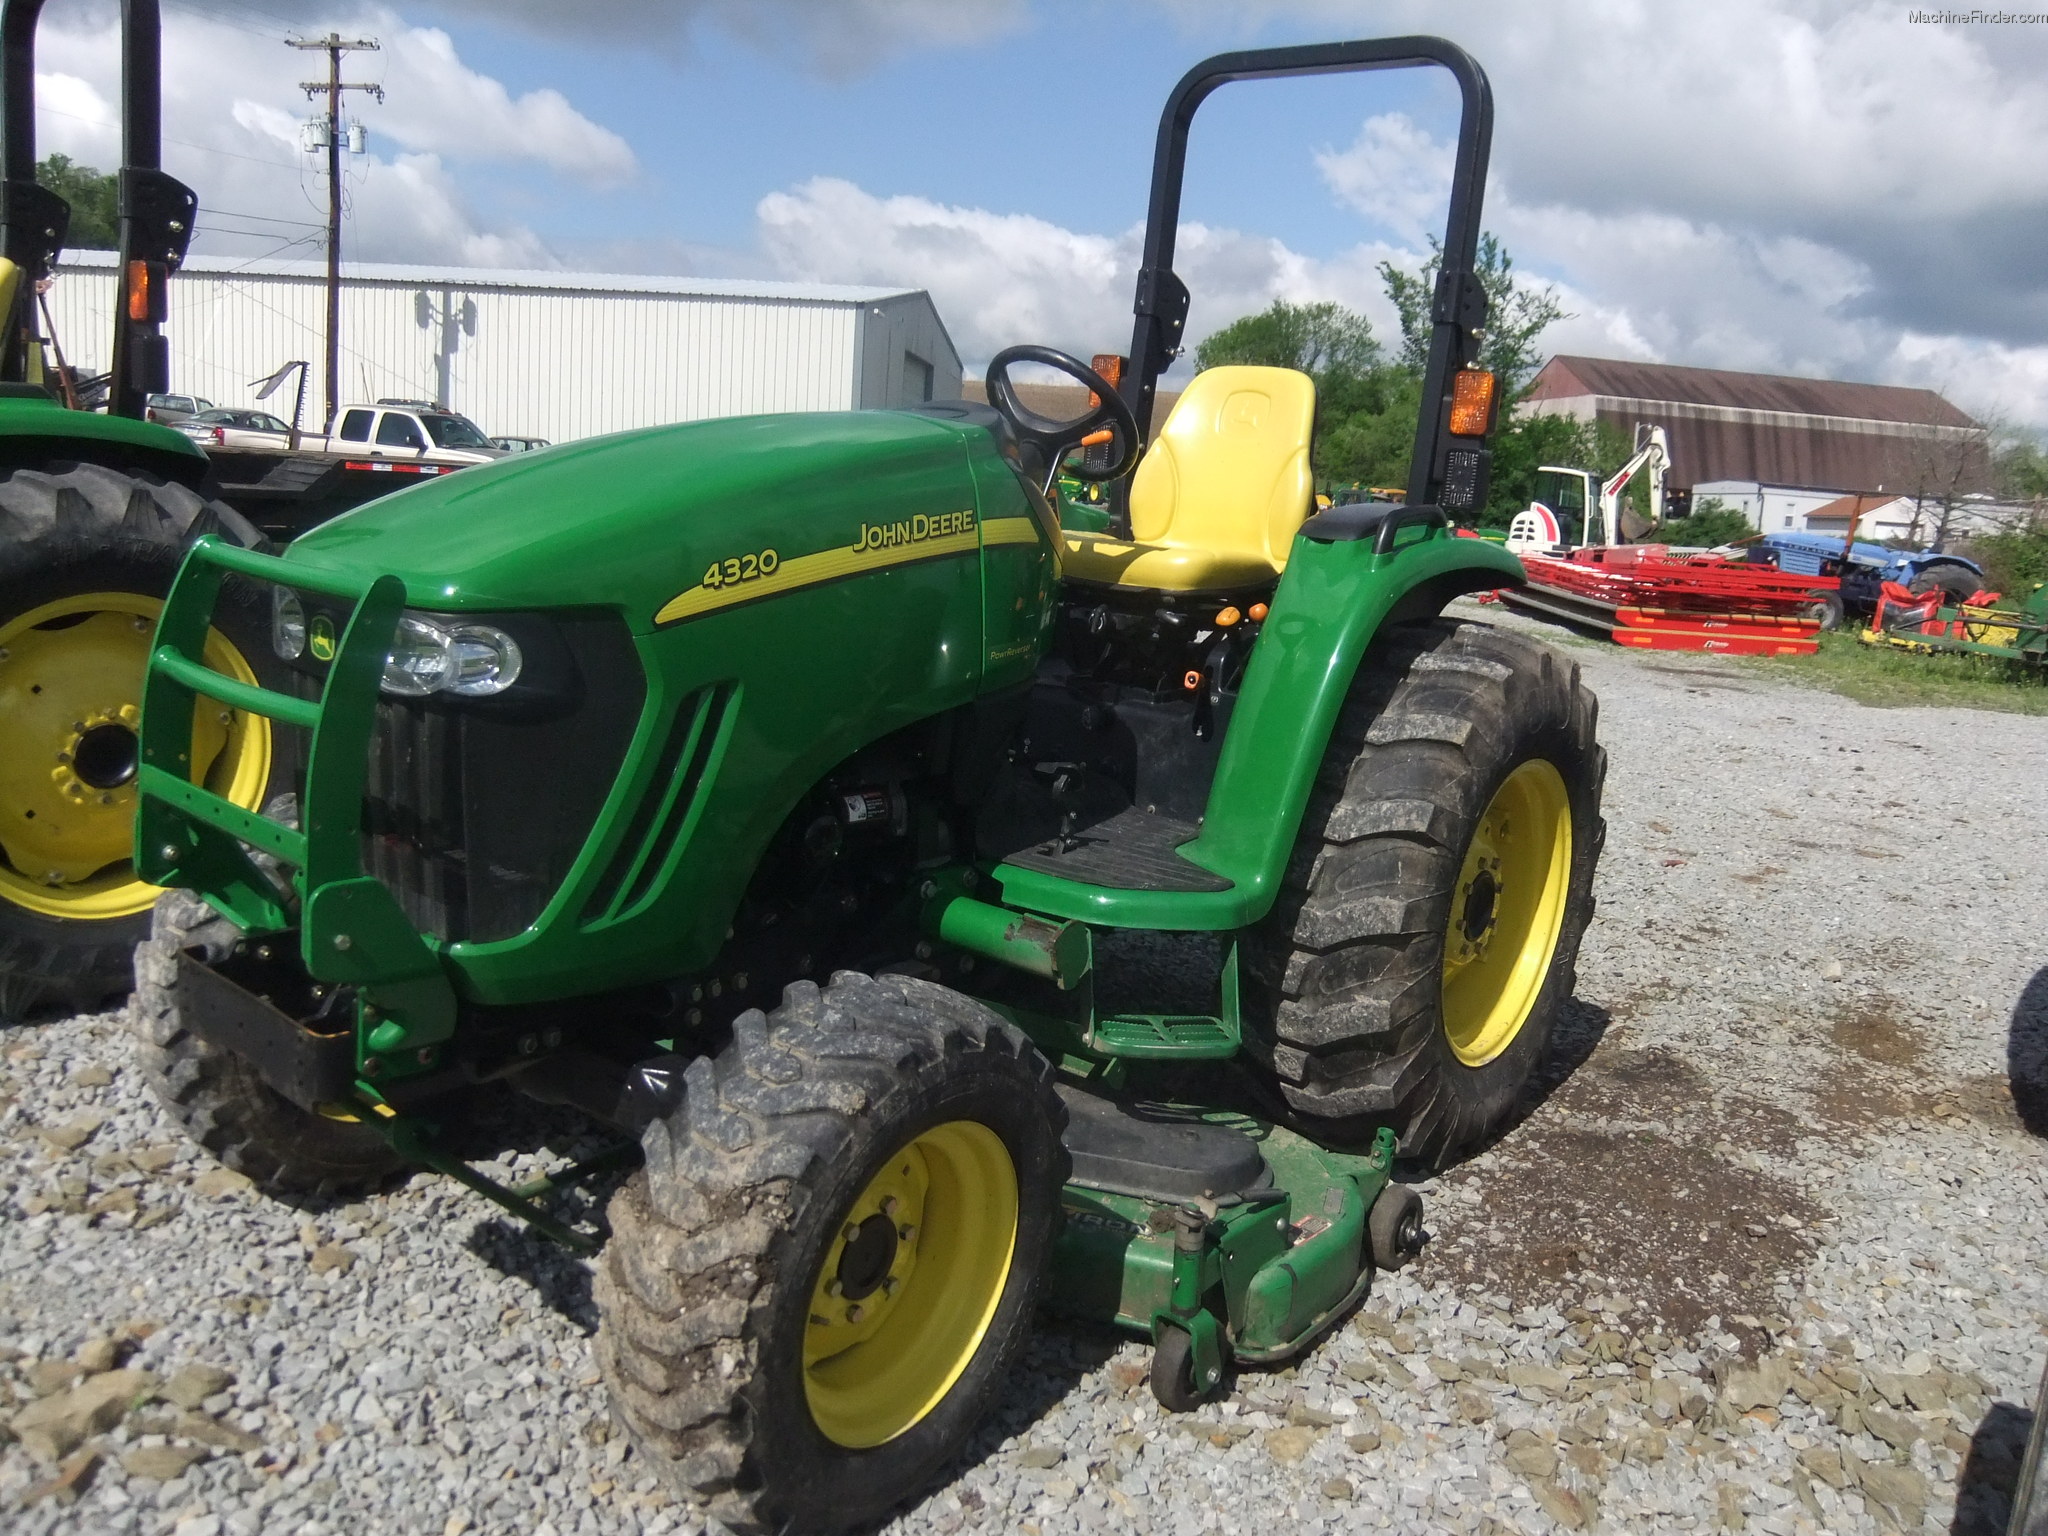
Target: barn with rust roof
1772,432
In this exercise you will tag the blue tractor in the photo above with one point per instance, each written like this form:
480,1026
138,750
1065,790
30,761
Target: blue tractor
1864,571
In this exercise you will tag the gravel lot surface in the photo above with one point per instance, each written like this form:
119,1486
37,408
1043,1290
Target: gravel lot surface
1765,1253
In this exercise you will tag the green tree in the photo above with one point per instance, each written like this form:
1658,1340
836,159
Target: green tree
1367,403
95,201
2020,470
1323,340
1521,446
1516,314
1711,522
1333,345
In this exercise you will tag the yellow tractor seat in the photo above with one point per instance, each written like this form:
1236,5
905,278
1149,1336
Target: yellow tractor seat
1220,494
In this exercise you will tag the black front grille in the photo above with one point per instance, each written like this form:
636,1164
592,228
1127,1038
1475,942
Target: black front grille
475,809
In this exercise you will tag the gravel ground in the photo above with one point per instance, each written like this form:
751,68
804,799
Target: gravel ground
1764,1253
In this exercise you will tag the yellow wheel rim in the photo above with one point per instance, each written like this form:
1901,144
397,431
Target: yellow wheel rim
1507,910
910,1283
70,692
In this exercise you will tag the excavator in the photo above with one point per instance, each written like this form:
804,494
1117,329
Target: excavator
1567,496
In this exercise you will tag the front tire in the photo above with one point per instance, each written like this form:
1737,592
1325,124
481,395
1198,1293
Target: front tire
1442,879
219,1099
828,1267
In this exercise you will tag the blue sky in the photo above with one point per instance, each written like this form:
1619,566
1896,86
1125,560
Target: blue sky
1055,118
1817,187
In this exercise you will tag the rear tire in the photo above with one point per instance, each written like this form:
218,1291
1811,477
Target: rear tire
1955,584
219,1099
769,1399
70,533
1453,733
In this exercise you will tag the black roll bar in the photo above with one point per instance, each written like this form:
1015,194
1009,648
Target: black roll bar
1458,309
156,209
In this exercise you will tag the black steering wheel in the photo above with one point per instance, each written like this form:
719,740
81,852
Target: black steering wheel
1052,438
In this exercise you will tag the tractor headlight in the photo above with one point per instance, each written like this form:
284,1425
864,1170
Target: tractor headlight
487,661
287,624
421,659
431,655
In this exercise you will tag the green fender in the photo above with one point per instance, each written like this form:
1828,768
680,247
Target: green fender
35,429
1331,601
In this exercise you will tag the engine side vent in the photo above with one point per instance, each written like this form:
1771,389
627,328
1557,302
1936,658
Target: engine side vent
696,739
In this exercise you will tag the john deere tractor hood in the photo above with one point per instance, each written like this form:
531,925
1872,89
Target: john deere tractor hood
644,520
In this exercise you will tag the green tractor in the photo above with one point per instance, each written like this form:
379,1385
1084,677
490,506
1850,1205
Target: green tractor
95,512
962,912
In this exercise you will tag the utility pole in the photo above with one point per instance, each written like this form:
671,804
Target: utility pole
333,86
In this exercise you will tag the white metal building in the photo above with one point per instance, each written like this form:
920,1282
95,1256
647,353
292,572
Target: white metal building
558,355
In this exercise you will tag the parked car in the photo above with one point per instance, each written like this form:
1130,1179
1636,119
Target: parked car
172,409
225,427
410,432
522,444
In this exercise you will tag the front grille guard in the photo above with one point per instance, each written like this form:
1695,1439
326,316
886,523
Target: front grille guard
351,930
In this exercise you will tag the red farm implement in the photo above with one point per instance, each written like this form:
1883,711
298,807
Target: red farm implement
1644,596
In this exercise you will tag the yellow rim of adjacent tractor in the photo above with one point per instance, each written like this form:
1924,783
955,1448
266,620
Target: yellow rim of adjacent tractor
1506,912
910,1283
70,692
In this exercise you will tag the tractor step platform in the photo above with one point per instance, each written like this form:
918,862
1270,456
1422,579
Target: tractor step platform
1130,851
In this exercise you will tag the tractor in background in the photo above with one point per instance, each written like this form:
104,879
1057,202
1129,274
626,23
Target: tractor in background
1863,569
95,511
960,910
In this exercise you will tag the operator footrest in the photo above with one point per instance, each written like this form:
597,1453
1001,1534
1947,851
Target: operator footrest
1130,851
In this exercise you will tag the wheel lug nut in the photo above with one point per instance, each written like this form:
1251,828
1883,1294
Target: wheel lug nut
855,1313
908,1232
891,1206
833,1288
889,1286
851,1232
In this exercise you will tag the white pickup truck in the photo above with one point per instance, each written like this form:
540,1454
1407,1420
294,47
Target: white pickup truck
405,430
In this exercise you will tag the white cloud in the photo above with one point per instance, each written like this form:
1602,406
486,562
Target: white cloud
1001,278
1394,172
231,128
835,37
1793,185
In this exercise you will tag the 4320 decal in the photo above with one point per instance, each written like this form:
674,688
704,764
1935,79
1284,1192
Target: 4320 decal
734,570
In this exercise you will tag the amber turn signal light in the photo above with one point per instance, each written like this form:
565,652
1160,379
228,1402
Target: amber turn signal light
138,290
1471,402
1258,612
1227,617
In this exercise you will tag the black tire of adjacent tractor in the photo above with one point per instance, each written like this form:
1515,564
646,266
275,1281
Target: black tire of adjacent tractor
1394,1227
1346,994
218,1097
705,1289
1956,583
67,529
